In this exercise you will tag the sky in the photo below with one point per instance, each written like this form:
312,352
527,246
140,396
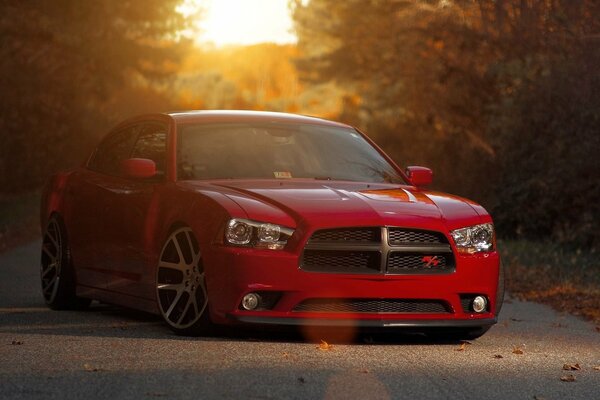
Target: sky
244,22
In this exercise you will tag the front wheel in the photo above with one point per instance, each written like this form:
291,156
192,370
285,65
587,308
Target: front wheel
181,285
56,270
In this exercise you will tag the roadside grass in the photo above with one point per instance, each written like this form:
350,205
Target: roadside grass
19,219
546,272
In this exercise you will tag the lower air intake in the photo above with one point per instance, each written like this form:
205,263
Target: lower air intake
373,306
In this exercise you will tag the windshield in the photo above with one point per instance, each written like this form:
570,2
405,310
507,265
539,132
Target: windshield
245,150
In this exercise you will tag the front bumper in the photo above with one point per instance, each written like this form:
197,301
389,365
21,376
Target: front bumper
234,272
362,323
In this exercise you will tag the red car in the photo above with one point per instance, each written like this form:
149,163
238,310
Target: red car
239,217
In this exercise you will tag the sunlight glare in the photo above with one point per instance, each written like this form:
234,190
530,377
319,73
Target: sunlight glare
244,22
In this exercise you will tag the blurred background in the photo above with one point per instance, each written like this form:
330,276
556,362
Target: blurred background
501,98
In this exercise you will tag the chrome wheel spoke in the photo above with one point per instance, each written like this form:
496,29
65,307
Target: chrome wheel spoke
49,286
179,251
184,312
48,269
170,265
174,303
195,304
170,286
48,253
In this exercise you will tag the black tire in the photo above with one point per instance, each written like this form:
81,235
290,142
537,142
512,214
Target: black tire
57,274
181,291
501,289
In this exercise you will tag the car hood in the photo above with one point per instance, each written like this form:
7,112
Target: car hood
311,204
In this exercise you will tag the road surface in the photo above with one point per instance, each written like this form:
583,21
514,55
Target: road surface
112,353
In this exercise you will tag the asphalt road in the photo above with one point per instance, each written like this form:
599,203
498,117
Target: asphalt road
112,353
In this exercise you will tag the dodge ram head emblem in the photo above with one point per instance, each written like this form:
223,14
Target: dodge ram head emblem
430,261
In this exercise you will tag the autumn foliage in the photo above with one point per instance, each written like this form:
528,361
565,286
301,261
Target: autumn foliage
499,97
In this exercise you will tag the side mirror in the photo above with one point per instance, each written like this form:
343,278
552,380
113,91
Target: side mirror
419,176
138,168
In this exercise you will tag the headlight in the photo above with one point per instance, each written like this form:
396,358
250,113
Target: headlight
244,232
474,239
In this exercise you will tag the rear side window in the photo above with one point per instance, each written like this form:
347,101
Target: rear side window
113,150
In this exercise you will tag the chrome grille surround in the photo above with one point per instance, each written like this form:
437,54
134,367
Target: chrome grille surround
390,251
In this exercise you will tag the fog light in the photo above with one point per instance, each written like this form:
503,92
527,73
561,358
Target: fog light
250,301
479,304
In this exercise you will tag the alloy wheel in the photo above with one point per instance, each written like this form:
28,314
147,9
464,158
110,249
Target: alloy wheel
181,286
52,257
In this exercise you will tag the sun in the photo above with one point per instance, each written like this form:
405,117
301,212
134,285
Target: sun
242,22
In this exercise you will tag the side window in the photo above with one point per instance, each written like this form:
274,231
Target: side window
113,150
152,144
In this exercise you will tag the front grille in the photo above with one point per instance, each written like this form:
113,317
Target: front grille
372,235
402,262
373,306
340,261
400,236
378,250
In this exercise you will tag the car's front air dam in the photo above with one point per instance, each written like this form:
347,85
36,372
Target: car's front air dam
261,270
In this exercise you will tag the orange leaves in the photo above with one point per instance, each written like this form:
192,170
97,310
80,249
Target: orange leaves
324,346
90,368
572,367
463,346
518,350
568,378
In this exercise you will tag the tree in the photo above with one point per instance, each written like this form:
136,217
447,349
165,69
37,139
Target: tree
60,62
476,89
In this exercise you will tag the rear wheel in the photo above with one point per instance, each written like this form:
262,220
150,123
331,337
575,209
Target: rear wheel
181,285
56,271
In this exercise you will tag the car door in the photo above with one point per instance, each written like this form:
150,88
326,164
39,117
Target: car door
135,211
93,211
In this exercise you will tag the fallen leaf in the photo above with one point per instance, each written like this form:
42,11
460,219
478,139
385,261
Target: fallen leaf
363,371
301,380
89,368
597,367
324,346
517,350
498,356
572,367
285,355
598,329
463,346
16,343
568,378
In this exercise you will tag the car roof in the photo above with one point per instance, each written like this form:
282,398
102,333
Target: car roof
208,116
